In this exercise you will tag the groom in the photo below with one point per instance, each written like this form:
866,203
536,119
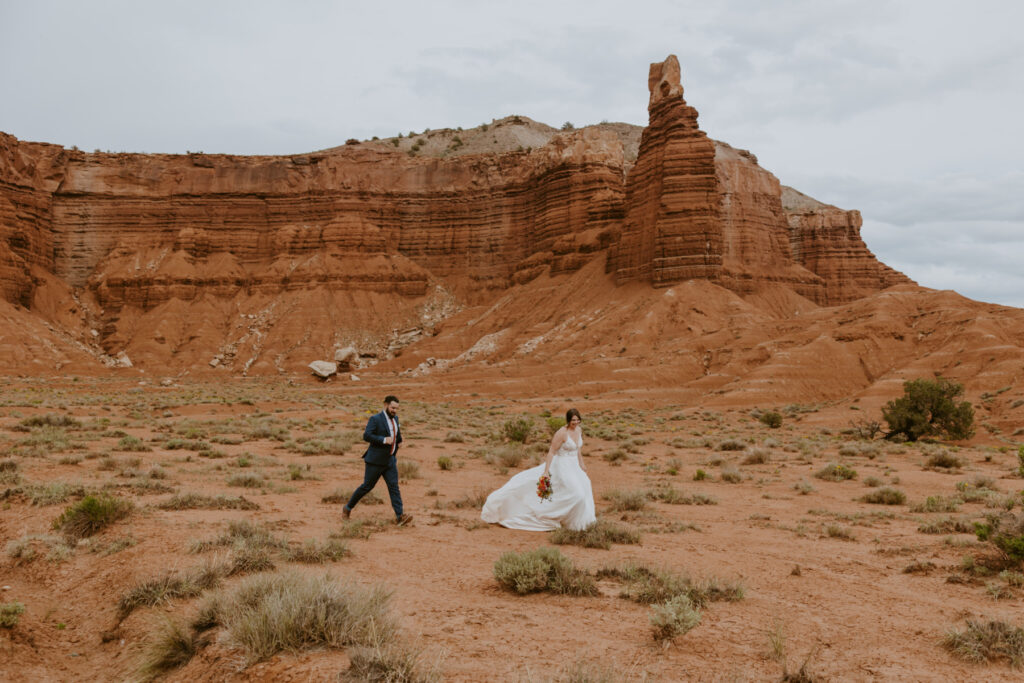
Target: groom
383,435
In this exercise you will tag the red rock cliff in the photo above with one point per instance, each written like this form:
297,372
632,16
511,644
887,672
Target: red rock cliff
178,258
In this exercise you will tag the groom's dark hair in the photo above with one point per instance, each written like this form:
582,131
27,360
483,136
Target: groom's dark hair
391,399
570,413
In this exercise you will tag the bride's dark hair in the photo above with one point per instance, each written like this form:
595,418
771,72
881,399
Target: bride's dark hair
570,413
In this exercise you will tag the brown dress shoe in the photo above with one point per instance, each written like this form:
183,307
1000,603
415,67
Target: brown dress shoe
404,520
346,513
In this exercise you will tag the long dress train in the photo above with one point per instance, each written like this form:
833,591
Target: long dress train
516,505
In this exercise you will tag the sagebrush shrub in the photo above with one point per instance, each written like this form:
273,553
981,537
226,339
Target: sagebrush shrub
543,569
673,618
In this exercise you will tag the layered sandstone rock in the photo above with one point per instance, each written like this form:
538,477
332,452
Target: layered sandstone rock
700,209
826,240
186,258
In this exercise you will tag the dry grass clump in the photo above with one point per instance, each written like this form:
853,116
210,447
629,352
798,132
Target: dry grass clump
312,552
242,533
272,613
732,445
9,613
946,525
454,437
249,480
672,496
600,534
169,587
174,645
53,492
198,501
885,496
835,471
987,642
756,455
48,420
543,569
852,449
91,515
342,496
937,504
408,469
730,474
624,501
508,455
391,662
649,586
943,460
475,499
27,548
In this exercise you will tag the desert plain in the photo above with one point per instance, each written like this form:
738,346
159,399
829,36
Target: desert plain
816,579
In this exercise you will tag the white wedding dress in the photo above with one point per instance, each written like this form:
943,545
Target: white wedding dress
516,505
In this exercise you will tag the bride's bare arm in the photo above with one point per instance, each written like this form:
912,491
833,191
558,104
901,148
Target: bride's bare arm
579,454
556,442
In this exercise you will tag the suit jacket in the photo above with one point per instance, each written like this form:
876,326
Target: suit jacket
379,453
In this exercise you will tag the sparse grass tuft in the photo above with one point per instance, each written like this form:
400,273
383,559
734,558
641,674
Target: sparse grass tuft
171,647
408,469
937,504
835,471
169,587
943,460
648,586
9,614
342,496
289,611
623,501
197,501
600,534
312,552
987,642
444,462
885,496
543,569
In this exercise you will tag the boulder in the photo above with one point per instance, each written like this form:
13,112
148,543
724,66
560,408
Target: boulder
323,369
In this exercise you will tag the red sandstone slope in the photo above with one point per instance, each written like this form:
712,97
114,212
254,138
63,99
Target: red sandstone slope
674,262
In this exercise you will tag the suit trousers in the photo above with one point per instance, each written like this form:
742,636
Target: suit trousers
371,475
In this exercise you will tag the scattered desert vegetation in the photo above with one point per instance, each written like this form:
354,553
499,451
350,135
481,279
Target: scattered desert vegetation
213,504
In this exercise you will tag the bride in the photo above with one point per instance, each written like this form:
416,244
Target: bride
516,505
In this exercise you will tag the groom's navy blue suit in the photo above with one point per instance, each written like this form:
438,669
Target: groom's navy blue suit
380,461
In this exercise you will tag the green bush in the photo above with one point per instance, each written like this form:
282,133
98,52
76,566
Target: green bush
1005,532
444,462
92,514
517,429
543,569
771,419
1020,461
929,408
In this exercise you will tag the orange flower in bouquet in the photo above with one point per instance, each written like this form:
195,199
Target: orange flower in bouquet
544,488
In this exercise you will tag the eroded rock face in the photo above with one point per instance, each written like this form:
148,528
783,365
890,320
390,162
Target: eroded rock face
259,262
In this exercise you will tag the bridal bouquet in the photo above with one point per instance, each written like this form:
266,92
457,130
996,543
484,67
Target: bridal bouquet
544,488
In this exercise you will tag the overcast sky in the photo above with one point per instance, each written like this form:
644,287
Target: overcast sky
907,110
